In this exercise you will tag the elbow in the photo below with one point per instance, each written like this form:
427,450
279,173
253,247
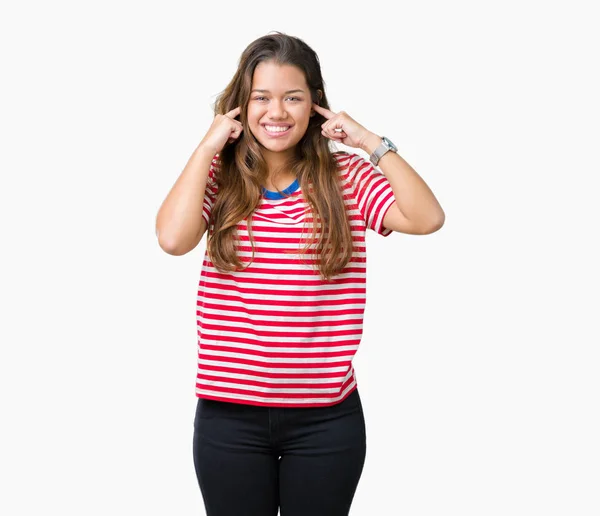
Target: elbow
434,226
177,246
169,246
438,225
172,249
441,218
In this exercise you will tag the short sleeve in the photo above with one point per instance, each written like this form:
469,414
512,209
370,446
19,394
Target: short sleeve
372,193
210,192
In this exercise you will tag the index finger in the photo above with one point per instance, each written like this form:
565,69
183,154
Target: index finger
323,111
234,112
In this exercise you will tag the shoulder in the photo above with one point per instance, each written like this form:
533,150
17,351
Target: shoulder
353,166
213,170
215,163
347,161
342,157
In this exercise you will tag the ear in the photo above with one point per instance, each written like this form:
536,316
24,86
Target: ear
320,95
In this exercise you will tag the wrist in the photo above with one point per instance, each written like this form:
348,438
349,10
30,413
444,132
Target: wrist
205,148
370,143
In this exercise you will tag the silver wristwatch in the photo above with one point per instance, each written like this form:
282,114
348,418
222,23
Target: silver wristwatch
386,145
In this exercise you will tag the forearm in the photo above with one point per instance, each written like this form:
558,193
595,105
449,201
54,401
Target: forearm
413,197
180,215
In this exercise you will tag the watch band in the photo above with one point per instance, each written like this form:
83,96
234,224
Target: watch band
385,146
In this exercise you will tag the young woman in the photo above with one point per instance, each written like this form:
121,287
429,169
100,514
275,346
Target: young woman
281,297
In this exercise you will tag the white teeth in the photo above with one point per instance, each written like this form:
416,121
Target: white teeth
275,129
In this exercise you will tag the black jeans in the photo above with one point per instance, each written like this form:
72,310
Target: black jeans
252,460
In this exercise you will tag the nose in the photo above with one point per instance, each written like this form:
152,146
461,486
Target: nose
277,110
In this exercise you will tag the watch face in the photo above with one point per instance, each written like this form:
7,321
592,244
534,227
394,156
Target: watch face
389,144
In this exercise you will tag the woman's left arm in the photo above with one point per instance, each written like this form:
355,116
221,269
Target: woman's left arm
416,210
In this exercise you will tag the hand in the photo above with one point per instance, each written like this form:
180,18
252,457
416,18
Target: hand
223,130
353,134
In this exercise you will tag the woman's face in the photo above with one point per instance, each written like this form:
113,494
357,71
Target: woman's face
282,104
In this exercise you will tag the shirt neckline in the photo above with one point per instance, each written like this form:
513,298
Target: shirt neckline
270,194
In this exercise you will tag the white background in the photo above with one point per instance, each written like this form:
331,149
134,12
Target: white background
478,368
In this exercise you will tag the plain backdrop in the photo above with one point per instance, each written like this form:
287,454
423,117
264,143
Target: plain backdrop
478,367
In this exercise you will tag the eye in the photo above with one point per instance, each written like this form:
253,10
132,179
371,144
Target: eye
295,98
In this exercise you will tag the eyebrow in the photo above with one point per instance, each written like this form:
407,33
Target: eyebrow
267,91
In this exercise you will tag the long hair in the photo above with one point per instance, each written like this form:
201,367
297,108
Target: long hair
243,169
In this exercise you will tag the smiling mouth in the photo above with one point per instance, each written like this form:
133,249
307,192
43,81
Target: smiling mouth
276,130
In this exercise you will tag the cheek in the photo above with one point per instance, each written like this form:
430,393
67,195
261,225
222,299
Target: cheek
306,116
252,116
254,111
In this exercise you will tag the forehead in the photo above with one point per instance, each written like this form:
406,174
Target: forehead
278,78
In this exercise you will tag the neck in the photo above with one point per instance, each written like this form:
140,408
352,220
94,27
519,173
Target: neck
277,162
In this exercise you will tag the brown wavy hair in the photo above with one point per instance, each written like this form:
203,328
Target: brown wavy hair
243,169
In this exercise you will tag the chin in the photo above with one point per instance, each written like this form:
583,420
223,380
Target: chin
274,147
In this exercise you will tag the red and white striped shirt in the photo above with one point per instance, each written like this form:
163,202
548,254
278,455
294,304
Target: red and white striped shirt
276,334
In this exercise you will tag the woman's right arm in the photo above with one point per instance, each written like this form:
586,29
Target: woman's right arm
179,223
